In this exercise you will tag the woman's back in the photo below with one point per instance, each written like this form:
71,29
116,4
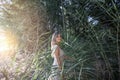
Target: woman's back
53,48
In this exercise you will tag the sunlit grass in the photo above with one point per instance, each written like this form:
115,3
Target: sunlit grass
20,38
8,43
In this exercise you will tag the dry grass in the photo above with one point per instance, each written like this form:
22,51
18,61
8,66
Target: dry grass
28,23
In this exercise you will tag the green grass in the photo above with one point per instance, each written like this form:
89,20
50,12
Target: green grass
95,49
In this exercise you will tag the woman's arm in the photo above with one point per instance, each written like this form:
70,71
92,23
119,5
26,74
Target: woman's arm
68,58
57,54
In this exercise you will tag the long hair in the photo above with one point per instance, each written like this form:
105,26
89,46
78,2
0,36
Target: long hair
53,42
54,36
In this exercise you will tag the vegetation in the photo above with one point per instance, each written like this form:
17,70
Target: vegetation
90,31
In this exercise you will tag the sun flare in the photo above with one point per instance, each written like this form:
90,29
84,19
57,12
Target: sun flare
8,43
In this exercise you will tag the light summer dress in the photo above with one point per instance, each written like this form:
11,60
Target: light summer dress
55,72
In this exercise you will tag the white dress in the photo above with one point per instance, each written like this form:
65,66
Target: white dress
55,75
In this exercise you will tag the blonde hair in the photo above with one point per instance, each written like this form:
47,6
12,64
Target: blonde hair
53,42
54,36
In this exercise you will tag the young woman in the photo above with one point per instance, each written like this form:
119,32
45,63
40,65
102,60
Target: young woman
58,55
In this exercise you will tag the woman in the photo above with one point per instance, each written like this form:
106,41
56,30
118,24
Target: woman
58,55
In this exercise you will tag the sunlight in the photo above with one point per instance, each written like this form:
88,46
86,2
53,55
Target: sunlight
5,2
8,43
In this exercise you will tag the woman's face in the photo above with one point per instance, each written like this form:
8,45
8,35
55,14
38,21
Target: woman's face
58,38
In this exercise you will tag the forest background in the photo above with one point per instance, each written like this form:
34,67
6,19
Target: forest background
90,31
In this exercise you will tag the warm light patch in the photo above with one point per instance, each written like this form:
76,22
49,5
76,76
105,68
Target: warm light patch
8,43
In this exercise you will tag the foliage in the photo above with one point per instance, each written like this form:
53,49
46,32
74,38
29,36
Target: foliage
90,31
89,27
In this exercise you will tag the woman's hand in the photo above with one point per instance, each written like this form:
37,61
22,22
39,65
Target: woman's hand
68,58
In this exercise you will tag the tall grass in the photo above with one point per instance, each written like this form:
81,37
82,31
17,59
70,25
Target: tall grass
25,19
95,49
96,53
